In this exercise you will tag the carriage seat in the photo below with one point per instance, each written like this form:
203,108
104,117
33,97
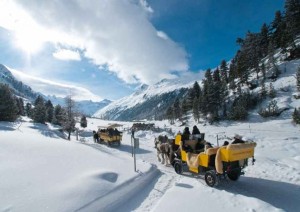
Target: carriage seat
211,151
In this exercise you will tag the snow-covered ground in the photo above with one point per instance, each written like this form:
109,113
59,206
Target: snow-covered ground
40,171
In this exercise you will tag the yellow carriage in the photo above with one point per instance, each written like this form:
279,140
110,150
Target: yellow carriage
110,134
215,163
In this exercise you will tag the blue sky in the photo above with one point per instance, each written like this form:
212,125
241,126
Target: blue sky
109,47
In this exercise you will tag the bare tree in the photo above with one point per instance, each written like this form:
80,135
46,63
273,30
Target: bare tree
70,114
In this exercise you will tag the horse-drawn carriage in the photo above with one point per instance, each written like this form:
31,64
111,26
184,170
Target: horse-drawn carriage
216,163
110,134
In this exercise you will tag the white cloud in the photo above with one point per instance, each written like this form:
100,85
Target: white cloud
66,54
112,33
48,87
162,35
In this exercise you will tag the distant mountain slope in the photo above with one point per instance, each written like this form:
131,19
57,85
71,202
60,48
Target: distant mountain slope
149,101
86,107
20,89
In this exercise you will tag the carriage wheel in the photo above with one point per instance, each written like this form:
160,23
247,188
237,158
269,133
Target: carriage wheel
178,167
211,178
234,174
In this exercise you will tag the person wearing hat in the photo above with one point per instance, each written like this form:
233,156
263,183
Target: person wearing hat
237,139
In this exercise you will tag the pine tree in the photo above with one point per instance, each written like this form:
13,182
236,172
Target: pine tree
8,105
28,110
58,116
49,111
196,112
264,41
177,109
170,115
39,110
296,116
292,18
83,122
263,92
278,28
298,79
184,107
223,71
20,105
272,92
197,89
238,110
232,74
263,71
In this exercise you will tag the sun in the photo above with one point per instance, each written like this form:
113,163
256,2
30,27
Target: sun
29,42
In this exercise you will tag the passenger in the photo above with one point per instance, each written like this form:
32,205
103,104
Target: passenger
110,132
207,146
225,143
195,131
184,137
116,131
96,137
238,139
186,134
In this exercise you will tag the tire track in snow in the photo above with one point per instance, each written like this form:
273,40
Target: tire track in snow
164,183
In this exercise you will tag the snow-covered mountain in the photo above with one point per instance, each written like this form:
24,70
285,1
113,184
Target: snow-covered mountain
149,100
87,107
15,80
19,88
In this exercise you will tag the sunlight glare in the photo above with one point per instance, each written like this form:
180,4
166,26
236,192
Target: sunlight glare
30,43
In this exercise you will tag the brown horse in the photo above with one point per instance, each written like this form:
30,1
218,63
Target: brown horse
164,149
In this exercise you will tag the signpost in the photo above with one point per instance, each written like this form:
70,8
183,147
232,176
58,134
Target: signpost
134,145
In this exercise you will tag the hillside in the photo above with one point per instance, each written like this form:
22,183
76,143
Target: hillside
19,88
149,101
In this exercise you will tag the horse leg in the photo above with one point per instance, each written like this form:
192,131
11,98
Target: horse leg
158,153
163,158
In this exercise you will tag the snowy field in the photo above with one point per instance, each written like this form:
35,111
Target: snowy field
41,171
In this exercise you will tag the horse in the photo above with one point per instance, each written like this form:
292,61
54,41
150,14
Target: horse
164,148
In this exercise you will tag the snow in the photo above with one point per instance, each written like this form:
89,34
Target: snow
41,171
